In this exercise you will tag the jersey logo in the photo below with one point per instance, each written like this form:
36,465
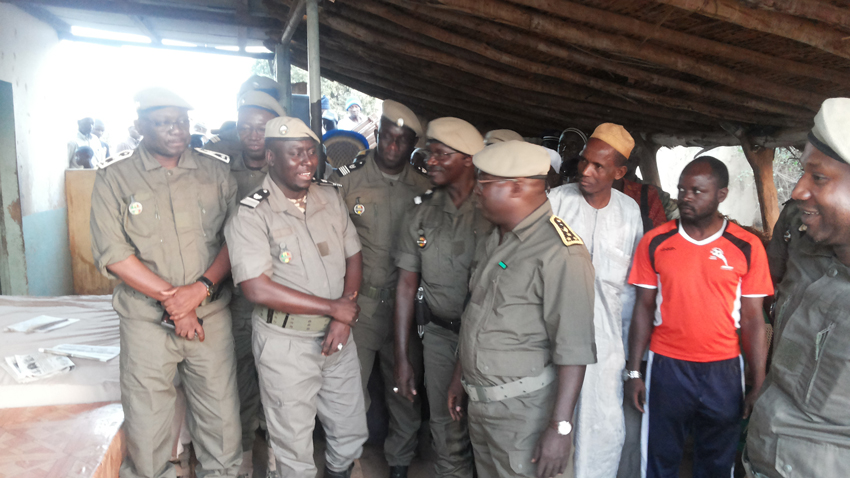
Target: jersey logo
253,200
717,255
568,237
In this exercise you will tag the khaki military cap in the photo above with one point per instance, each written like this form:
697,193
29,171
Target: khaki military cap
615,136
513,159
157,97
287,127
831,133
500,136
262,83
258,99
401,116
456,134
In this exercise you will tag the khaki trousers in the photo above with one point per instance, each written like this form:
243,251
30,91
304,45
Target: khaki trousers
504,434
150,357
450,438
374,336
297,383
250,409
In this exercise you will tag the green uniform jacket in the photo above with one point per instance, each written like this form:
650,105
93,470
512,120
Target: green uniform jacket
801,422
381,203
450,235
172,220
531,304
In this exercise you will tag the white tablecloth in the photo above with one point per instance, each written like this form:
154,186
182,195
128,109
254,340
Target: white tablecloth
91,381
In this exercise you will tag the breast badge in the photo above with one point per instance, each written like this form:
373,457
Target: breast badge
285,255
359,209
135,208
422,241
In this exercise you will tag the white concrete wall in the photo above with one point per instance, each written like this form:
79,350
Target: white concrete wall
29,50
742,202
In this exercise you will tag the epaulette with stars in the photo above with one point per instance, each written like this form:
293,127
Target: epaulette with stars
325,182
424,197
358,163
114,159
567,235
254,199
214,154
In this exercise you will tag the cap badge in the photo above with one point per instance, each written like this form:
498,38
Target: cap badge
359,209
400,122
135,208
284,129
787,236
422,241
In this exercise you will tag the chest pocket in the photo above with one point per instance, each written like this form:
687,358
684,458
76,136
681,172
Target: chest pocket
813,359
370,215
141,220
287,257
211,208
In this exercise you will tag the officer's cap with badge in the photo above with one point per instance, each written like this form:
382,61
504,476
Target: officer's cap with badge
154,98
401,116
831,133
263,101
456,134
289,128
500,136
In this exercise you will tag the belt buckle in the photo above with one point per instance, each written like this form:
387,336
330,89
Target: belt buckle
482,394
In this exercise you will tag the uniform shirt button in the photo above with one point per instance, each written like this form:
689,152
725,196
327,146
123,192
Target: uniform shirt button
788,468
833,272
169,173
486,368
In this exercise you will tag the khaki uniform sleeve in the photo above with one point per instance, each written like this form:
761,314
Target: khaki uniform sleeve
407,255
351,241
247,240
109,244
568,306
230,189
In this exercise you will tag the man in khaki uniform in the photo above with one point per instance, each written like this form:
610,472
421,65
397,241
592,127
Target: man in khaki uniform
435,250
296,255
248,167
527,332
227,141
378,187
157,224
799,425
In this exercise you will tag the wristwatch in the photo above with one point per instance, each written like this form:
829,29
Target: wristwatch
563,427
630,374
208,284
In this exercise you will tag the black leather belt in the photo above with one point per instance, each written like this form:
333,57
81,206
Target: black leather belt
453,325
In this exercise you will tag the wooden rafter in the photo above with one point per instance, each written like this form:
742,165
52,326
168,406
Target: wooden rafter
497,31
627,25
794,28
547,25
811,9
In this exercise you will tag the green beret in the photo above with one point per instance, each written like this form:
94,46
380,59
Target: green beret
401,116
258,99
257,82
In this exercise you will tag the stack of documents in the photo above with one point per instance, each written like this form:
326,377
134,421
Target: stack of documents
42,323
28,368
92,352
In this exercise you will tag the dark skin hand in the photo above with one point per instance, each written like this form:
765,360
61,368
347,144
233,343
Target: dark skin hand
183,300
553,450
343,311
405,292
754,344
457,395
639,334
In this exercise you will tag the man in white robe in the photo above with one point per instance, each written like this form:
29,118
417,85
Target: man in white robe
609,223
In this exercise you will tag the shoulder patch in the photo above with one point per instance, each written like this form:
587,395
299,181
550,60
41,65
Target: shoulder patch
346,169
424,197
325,182
214,139
114,159
214,154
254,199
568,237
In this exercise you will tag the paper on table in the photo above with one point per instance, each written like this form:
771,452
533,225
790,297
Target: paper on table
93,352
27,368
42,323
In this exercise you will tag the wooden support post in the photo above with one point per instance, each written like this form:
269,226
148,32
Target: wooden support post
314,79
761,160
647,153
283,75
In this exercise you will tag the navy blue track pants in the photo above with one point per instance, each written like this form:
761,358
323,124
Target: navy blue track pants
703,398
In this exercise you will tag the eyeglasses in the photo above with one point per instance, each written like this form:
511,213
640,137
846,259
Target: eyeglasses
164,126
